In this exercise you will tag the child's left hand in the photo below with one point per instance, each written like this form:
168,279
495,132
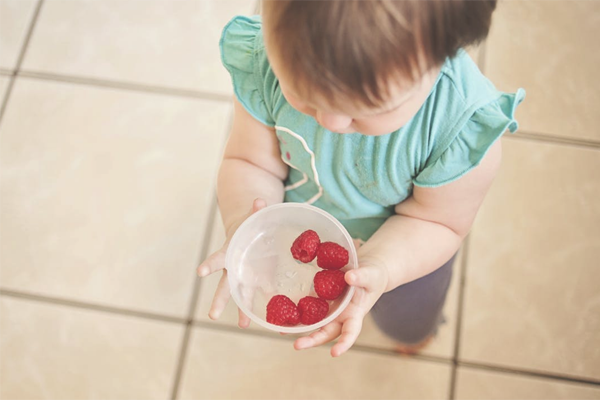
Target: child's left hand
370,281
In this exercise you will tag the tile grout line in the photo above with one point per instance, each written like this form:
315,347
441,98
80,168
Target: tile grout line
192,307
90,306
13,75
521,135
221,327
231,329
131,86
197,282
5,98
551,139
528,135
529,373
29,35
213,208
459,317
542,137
210,223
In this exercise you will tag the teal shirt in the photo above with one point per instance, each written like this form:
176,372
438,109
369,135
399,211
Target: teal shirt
357,178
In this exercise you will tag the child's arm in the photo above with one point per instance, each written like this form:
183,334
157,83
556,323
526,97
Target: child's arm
426,231
429,226
251,169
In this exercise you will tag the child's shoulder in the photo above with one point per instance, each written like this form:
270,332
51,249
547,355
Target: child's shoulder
244,57
467,116
244,31
466,80
463,96
241,44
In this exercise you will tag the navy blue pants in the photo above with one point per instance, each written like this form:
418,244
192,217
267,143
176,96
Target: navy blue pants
413,311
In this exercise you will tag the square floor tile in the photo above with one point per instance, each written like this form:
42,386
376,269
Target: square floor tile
550,49
57,352
225,365
473,384
531,297
15,17
154,42
105,193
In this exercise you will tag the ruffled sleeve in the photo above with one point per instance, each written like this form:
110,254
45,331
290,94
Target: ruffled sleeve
471,141
239,44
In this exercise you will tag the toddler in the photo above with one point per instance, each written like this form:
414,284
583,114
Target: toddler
372,111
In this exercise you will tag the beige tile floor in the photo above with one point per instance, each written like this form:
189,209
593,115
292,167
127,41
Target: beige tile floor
109,145
15,18
4,81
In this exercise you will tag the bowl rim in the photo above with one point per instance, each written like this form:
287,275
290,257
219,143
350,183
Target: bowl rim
302,328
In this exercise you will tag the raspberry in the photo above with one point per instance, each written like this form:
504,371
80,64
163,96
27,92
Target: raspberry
331,256
282,311
312,310
305,246
329,284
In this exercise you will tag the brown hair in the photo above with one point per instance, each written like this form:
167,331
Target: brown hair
353,48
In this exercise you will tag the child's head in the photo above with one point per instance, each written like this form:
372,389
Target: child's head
366,65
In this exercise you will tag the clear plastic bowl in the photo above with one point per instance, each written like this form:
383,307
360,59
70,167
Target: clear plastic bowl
260,265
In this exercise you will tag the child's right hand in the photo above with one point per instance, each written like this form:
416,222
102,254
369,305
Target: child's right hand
216,262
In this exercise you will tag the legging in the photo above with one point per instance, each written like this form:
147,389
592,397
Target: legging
413,311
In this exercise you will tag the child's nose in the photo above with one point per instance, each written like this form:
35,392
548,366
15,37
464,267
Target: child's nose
333,122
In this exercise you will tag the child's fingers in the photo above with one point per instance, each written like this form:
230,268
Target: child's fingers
324,335
258,204
214,263
360,277
350,332
221,298
366,277
244,320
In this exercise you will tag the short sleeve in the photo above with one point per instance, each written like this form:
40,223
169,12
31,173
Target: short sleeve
239,47
472,141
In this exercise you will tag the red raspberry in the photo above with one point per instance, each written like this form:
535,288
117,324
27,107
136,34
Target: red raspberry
331,256
312,310
329,284
305,246
282,311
